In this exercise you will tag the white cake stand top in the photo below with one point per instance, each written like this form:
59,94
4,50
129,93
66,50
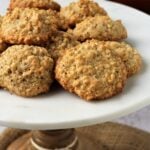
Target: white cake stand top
60,109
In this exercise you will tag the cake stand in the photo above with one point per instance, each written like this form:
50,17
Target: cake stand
54,116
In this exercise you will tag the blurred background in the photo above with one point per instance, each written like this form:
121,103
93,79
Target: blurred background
143,5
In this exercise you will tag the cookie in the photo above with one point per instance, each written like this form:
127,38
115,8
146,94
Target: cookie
91,71
101,28
78,11
28,26
26,70
41,4
59,42
1,18
128,54
3,45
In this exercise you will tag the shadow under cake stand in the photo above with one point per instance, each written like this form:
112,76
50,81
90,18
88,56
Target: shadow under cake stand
54,116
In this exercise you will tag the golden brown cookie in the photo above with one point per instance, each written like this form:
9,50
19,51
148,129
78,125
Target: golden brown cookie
128,54
1,18
78,11
41,4
59,42
101,28
26,70
3,45
63,24
28,26
91,71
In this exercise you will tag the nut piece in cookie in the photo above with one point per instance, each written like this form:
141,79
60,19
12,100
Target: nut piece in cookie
128,54
78,11
26,70
28,26
59,42
3,45
101,28
91,71
41,4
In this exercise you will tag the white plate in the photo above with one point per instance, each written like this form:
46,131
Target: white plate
60,109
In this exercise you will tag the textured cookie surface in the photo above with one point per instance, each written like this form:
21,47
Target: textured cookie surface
59,42
78,11
26,70
3,45
41,4
100,27
28,26
128,54
1,20
91,71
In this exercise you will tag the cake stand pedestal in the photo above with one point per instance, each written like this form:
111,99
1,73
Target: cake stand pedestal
106,136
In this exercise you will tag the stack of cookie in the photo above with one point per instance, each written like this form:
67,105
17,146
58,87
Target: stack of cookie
3,45
80,44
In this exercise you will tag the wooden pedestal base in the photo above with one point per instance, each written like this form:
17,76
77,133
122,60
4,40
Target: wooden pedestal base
55,140
107,136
